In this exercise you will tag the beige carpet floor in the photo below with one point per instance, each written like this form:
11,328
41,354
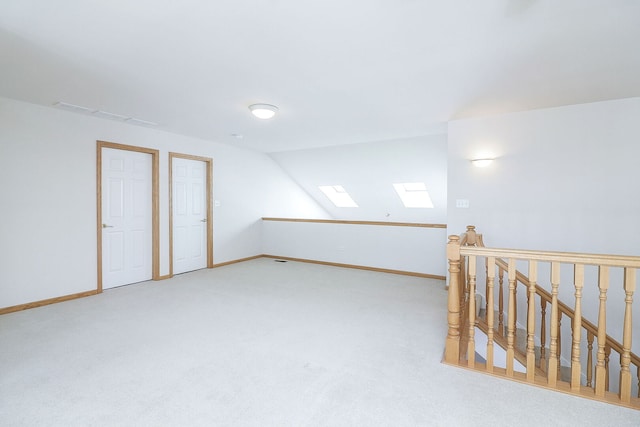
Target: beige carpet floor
261,343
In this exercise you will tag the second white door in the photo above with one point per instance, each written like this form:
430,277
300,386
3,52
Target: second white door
189,200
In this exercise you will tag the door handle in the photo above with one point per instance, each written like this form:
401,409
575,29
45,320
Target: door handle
107,226
203,220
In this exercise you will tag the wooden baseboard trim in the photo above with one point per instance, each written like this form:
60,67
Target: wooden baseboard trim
235,261
165,277
55,300
359,267
43,302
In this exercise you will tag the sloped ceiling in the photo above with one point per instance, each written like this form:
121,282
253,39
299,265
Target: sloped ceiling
341,72
368,171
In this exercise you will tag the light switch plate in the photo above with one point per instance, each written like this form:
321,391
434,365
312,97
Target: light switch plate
462,203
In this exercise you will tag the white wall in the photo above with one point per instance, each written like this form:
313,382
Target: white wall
48,198
412,249
367,171
565,179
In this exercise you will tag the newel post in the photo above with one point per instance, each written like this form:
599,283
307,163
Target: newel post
452,345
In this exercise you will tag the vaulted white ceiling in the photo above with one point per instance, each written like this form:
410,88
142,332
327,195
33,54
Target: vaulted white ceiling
340,71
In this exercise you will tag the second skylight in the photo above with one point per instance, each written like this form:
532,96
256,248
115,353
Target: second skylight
414,195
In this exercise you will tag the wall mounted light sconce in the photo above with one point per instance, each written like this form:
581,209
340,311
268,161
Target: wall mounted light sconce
263,111
482,163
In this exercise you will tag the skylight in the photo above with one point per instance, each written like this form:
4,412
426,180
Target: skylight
338,196
414,195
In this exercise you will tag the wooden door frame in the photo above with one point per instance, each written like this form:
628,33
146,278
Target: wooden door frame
155,209
209,203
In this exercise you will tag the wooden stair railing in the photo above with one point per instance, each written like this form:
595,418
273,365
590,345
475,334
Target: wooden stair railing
466,252
590,329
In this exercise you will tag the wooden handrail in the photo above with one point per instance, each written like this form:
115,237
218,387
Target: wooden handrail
550,256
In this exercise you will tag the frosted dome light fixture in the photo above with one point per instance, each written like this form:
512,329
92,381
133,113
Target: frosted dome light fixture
263,111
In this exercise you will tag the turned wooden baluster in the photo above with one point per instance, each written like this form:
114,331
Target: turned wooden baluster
464,288
501,302
601,367
576,366
625,357
531,321
543,335
452,345
554,328
471,344
491,274
515,306
511,316
486,287
462,284
607,356
590,337
559,343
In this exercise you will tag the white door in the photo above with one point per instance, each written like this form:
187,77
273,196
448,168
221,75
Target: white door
189,200
126,217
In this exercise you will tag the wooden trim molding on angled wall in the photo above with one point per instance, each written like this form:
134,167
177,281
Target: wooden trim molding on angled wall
155,204
55,300
209,202
44,302
359,267
341,221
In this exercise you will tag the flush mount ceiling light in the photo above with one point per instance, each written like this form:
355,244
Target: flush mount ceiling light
263,111
481,163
